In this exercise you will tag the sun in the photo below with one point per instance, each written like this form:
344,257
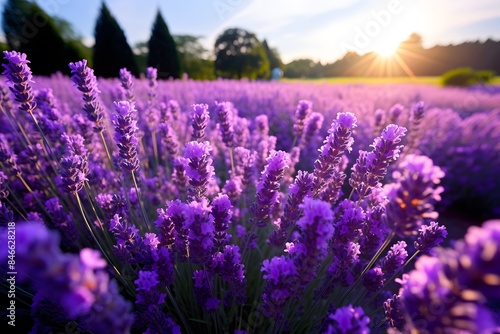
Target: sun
387,48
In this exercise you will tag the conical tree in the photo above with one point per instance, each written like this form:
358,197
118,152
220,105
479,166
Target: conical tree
30,30
273,56
111,50
162,50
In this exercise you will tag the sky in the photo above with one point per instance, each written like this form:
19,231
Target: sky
322,30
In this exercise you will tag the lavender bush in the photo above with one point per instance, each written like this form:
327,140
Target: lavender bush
161,207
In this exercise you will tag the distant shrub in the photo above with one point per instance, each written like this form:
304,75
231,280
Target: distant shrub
466,76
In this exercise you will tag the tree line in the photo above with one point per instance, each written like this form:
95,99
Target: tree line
50,43
411,58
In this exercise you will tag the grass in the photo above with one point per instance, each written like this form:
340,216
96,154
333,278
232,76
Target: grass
436,80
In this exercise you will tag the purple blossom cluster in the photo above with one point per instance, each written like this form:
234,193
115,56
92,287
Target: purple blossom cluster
258,219
456,290
76,282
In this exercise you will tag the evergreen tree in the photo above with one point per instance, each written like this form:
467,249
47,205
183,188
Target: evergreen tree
162,50
30,30
111,50
273,56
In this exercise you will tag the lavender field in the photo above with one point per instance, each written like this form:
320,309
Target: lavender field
145,206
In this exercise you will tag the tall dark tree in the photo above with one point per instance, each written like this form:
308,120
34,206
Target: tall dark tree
238,54
162,50
111,50
273,56
30,30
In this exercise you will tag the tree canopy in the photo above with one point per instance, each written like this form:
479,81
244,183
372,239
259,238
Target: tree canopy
29,29
162,50
111,50
238,54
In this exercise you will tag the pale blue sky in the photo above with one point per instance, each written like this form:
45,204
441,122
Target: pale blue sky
318,29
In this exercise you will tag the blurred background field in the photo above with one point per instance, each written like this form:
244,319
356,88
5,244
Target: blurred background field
435,80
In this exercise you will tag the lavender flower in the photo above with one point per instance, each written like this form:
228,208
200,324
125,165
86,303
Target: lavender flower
430,236
152,75
339,140
412,199
62,220
74,165
379,119
199,169
130,246
346,320
370,168
147,292
374,280
4,192
174,109
304,108
224,111
200,224
316,229
245,164
394,259
167,228
395,112
222,213
125,135
268,186
7,158
394,312
416,116
127,82
199,121
83,77
227,263
313,125
169,138
76,282
18,72
202,291
179,177
262,126
280,275
454,290
233,188
175,212
301,188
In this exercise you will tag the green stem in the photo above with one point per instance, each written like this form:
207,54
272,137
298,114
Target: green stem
106,149
369,265
131,290
231,158
139,198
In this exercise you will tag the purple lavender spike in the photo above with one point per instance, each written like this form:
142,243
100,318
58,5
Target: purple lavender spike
304,108
338,141
268,186
83,77
199,121
125,135
199,168
19,74
371,167
127,83
224,111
